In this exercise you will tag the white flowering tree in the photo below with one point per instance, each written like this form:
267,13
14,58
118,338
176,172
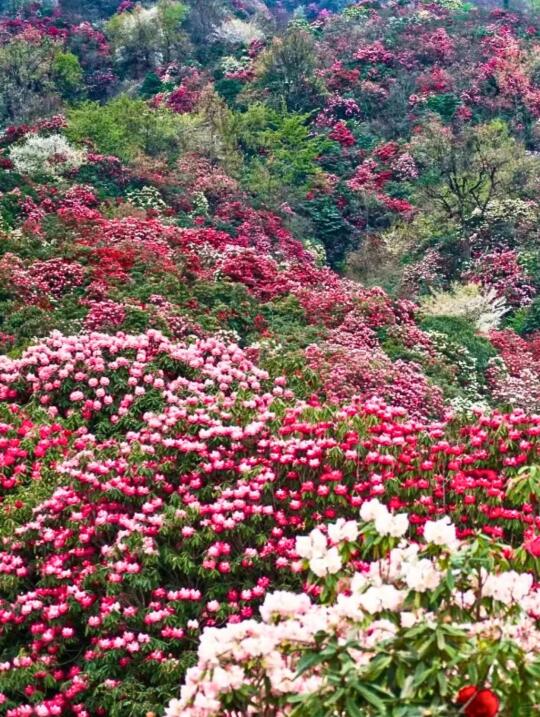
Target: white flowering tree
146,198
235,31
482,307
146,37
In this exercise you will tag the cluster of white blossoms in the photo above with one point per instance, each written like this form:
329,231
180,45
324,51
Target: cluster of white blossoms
146,198
506,587
441,532
386,523
368,609
235,31
323,558
343,531
483,307
50,156
315,547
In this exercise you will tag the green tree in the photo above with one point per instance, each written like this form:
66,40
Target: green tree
126,128
280,149
95,10
28,87
144,38
151,86
330,228
171,17
286,71
204,15
464,170
67,74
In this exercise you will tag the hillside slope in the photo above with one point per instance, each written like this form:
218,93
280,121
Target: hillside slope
263,265
408,165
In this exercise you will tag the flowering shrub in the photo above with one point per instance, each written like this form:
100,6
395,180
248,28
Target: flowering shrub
502,273
508,389
485,309
342,134
365,371
146,198
194,407
50,156
514,375
371,177
104,315
56,277
238,32
180,476
442,626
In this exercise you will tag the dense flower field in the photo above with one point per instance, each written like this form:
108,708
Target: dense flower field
155,489
417,622
269,359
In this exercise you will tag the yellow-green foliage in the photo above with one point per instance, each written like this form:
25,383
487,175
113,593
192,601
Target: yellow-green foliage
128,127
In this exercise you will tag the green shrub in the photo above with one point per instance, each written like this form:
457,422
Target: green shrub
126,127
531,319
68,74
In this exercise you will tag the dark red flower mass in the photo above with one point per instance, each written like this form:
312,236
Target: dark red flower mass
478,703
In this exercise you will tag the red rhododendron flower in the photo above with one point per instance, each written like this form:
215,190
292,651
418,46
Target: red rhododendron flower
466,694
532,546
478,703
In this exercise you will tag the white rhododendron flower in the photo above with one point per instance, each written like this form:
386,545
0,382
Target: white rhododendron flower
465,599
371,509
284,604
440,532
408,619
422,576
174,708
393,525
343,530
507,587
49,156
327,564
386,523
385,597
311,546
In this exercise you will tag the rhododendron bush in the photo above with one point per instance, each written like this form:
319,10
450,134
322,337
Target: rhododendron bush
441,627
270,359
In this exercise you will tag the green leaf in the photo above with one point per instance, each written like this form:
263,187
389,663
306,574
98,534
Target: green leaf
372,698
352,708
441,644
443,683
309,660
407,690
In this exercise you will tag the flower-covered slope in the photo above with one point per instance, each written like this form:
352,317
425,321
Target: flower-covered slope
373,640
237,476
403,152
153,488
147,255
